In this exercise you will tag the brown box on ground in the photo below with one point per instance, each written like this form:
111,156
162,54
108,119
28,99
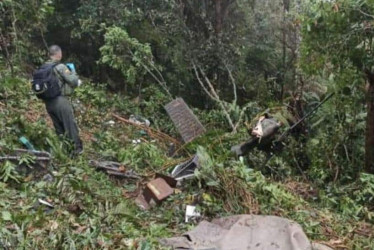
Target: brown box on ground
169,180
158,190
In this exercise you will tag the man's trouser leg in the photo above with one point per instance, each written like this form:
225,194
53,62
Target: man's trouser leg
57,124
52,109
62,112
69,123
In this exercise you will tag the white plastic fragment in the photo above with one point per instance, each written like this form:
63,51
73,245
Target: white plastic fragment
45,203
191,213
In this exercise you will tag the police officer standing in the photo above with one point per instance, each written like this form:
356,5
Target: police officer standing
60,108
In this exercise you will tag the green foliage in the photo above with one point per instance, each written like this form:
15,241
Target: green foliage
315,181
341,156
91,210
8,172
126,54
250,189
137,156
22,26
337,31
337,44
363,196
93,95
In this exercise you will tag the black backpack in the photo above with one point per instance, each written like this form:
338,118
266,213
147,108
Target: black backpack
45,83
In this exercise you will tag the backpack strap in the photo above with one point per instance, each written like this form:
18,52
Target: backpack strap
59,76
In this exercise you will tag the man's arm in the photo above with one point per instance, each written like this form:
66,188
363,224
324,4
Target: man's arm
71,78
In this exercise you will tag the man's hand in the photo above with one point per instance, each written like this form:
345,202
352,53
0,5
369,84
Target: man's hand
79,82
71,67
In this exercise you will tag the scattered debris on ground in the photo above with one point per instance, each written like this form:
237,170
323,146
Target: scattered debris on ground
163,181
153,133
191,213
139,120
244,232
30,164
184,119
114,169
156,191
186,169
40,157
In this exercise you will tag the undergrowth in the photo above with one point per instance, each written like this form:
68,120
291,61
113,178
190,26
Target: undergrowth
94,211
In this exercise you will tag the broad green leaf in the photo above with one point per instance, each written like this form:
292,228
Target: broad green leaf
7,216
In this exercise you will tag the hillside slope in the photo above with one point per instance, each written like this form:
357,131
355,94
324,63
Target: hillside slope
95,211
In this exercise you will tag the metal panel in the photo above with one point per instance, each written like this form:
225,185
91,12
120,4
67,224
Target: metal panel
186,122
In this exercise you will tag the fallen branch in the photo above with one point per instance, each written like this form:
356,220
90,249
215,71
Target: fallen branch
151,132
100,164
34,152
18,158
113,168
107,168
126,175
168,165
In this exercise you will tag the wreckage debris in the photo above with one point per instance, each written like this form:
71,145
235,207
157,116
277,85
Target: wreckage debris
265,127
184,119
153,133
142,203
262,134
26,142
245,147
40,156
156,191
169,180
48,204
36,166
114,169
45,206
163,186
186,169
191,213
245,232
139,120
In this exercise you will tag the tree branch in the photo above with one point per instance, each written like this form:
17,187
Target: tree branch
365,14
201,82
233,84
213,94
161,82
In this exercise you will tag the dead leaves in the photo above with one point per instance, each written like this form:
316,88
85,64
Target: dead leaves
79,228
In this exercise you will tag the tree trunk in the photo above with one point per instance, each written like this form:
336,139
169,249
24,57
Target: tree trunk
369,142
284,28
221,12
219,17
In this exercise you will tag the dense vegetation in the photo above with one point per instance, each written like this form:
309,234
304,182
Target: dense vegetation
230,60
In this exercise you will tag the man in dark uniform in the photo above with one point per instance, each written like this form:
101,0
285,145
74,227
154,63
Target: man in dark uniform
60,108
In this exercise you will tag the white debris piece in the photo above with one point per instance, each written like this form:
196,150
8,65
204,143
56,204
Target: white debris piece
191,213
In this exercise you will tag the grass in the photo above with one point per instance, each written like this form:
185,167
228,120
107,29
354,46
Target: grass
94,211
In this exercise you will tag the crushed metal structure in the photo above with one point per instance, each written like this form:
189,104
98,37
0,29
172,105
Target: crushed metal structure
186,169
